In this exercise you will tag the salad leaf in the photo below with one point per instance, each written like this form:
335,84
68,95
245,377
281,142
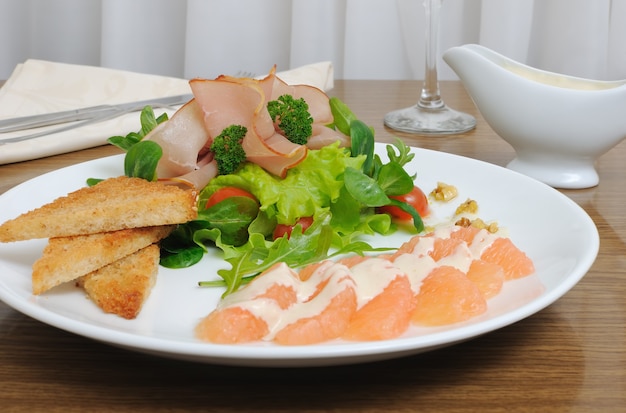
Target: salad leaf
140,162
148,122
232,217
343,217
404,154
362,141
182,258
142,159
394,180
125,142
406,207
298,250
340,188
308,188
179,250
364,189
342,115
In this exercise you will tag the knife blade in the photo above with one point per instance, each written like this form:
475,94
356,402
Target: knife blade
88,113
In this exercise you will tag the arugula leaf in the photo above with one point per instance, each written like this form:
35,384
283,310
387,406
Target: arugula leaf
298,250
404,155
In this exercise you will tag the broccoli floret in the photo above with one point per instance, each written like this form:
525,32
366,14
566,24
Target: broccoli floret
293,118
227,149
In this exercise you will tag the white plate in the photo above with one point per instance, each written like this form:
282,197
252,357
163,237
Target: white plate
554,231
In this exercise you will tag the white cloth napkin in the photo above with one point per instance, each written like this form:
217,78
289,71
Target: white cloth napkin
38,86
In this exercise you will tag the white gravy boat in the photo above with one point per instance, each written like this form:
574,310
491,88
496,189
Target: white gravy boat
558,125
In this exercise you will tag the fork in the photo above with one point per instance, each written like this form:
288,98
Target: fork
245,73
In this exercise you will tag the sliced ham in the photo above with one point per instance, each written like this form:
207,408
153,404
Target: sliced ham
180,155
183,140
199,178
324,136
228,101
319,108
225,101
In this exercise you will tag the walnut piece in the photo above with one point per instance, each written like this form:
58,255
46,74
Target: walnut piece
468,207
444,192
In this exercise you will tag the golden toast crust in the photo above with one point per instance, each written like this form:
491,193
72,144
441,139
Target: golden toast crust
67,258
122,287
111,205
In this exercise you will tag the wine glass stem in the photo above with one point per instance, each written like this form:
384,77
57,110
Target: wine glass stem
430,97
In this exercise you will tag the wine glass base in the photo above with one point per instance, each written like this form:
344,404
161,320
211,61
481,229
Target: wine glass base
439,121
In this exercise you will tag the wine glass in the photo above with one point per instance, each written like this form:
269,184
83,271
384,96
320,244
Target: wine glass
430,115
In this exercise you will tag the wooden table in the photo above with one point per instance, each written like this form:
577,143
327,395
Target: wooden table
569,357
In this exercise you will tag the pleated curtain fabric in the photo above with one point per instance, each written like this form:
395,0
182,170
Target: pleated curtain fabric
365,39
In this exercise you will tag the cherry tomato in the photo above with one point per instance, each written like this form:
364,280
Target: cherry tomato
227,192
282,229
415,198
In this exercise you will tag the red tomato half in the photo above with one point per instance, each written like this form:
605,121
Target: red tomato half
225,193
282,229
415,198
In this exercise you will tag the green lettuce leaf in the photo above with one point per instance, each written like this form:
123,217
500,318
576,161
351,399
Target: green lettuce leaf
310,187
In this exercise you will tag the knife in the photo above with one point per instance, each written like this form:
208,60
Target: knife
93,113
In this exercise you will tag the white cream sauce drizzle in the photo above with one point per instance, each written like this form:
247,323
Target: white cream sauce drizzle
369,278
481,242
372,276
416,267
338,278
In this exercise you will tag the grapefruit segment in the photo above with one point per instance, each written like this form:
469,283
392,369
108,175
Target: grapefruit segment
445,247
306,272
513,261
230,326
437,279
283,295
418,245
385,316
447,296
246,315
489,277
466,234
326,303
327,325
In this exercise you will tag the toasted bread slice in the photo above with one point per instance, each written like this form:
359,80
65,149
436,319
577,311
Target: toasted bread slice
68,258
122,287
111,205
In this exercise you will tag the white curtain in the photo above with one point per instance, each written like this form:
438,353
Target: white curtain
365,39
